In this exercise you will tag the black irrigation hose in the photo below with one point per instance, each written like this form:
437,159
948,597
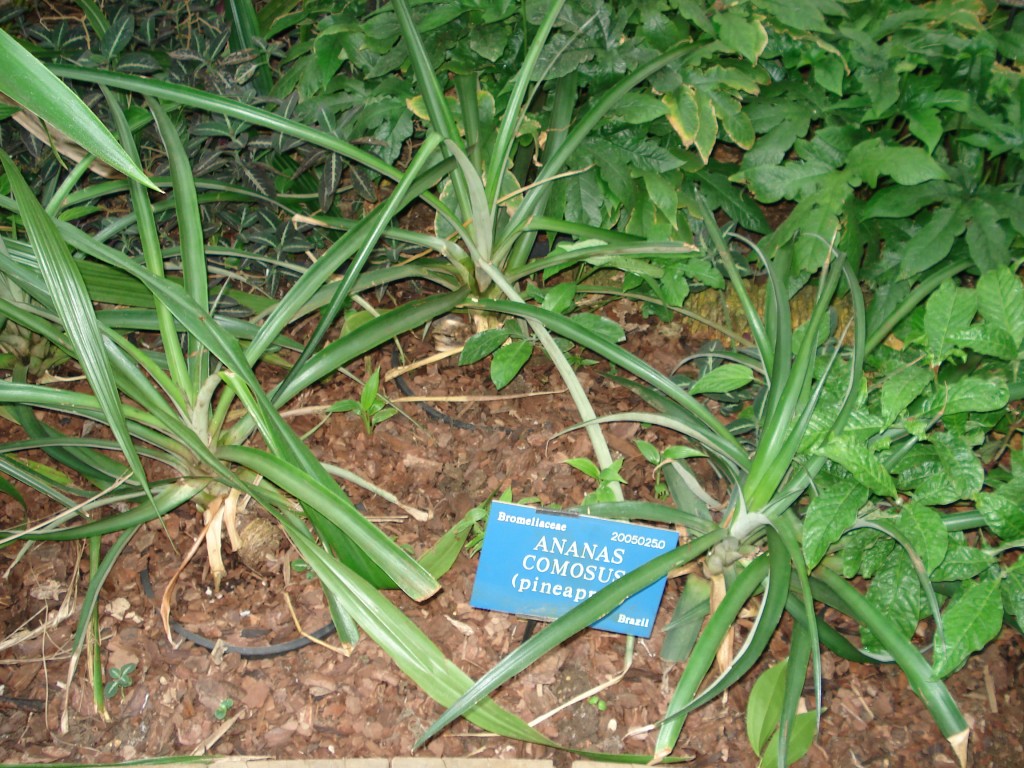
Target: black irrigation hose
431,411
245,651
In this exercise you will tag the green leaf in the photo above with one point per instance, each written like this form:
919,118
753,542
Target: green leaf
343,406
801,736
78,316
368,397
904,165
1003,509
707,126
32,85
948,311
602,326
987,241
586,466
971,620
1013,589
900,202
1001,301
559,298
896,591
901,389
974,394
988,340
742,34
480,345
683,114
648,451
439,559
792,181
933,242
926,125
119,34
508,361
724,378
764,707
922,526
862,463
688,617
829,515
961,561
956,473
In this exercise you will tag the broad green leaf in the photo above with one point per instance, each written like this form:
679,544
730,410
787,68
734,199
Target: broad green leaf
38,90
948,311
1003,509
662,193
480,345
901,202
829,516
904,165
724,378
741,33
707,128
865,552
988,340
738,128
1001,301
901,389
801,736
987,241
764,707
637,108
957,472
923,528
792,181
802,15
933,242
508,361
683,114
961,561
896,591
861,462
974,394
559,298
926,125
972,619
1013,589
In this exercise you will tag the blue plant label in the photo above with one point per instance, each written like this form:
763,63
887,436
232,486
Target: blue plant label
541,564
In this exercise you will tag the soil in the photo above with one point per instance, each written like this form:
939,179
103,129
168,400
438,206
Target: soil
316,702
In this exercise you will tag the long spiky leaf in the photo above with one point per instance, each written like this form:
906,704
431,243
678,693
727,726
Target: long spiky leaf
75,308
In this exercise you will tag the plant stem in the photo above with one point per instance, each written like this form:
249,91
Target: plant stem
572,383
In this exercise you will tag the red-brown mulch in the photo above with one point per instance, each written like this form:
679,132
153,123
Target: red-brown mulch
317,703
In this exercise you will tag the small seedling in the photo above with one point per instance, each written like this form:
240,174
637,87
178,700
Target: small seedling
223,708
605,477
120,680
597,701
660,458
301,566
372,408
